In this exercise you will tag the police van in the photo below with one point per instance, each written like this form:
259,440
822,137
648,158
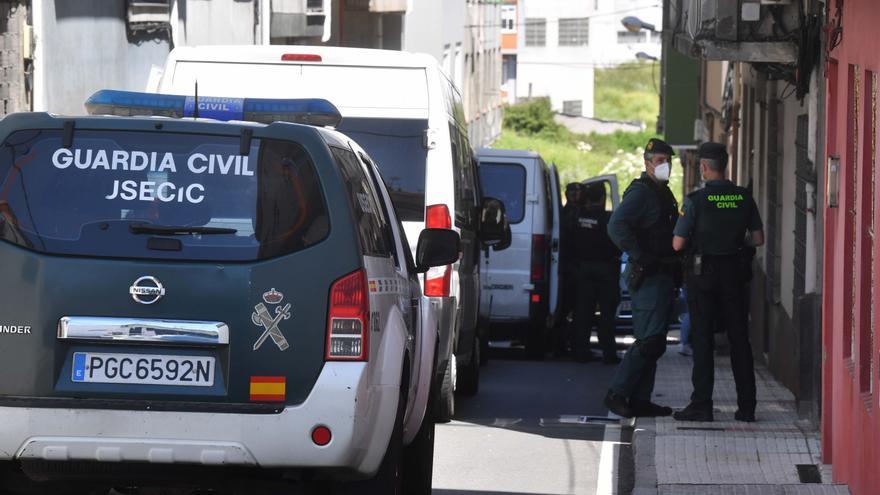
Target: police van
216,305
409,116
521,288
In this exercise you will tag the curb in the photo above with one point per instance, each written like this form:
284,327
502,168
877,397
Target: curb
643,457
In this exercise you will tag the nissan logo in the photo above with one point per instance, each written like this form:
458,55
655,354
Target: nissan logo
146,290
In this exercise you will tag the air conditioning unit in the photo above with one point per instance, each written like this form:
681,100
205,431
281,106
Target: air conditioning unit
148,15
740,30
298,18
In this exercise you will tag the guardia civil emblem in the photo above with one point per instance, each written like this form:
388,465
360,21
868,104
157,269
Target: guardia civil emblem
269,320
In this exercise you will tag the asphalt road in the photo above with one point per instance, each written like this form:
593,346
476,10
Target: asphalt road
536,427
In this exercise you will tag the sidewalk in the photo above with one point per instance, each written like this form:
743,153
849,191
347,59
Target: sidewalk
727,457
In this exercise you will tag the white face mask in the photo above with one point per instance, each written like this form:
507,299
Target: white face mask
662,171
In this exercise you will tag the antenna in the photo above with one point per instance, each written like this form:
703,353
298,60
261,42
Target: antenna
196,101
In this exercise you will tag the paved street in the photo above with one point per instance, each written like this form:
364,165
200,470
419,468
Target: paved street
530,430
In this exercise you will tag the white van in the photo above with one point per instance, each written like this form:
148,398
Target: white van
407,114
520,297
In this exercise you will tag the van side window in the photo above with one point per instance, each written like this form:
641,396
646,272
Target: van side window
465,186
371,230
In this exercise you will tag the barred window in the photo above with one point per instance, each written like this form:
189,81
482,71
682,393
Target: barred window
574,31
627,37
536,32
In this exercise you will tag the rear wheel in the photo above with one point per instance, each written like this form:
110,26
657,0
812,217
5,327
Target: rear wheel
445,399
535,345
389,479
468,382
418,463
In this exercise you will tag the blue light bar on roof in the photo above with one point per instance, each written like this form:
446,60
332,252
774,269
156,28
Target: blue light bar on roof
309,111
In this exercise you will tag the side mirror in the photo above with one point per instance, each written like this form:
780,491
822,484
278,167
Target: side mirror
493,221
437,247
507,240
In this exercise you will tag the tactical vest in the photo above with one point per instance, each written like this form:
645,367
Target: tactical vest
656,239
590,236
722,218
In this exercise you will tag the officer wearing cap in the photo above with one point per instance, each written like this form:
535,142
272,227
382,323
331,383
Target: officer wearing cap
598,276
719,223
573,194
642,227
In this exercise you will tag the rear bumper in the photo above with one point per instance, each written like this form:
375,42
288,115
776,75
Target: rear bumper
360,416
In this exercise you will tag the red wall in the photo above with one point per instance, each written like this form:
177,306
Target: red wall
850,412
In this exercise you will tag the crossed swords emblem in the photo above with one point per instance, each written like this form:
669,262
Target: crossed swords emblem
262,317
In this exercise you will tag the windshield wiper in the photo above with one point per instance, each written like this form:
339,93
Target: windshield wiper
181,230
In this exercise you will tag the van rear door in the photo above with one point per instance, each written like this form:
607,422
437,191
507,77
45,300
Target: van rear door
166,269
556,207
508,286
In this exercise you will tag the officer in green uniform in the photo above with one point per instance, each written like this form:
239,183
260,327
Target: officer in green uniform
720,222
642,227
562,333
598,277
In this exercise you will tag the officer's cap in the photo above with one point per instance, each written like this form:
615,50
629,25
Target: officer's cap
659,146
714,151
572,187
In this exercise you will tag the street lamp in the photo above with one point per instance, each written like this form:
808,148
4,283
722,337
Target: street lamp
634,25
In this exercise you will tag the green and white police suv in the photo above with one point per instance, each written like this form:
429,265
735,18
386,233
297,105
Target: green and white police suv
225,302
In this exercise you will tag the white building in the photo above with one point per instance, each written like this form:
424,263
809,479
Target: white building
562,42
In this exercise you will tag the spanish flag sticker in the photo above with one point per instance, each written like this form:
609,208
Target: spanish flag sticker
268,388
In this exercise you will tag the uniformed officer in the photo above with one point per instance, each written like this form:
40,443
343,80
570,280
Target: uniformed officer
642,227
562,335
598,277
720,222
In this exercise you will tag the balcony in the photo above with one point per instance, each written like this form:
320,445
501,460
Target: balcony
737,30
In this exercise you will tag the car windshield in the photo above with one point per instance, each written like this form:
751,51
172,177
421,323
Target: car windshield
507,183
397,147
158,196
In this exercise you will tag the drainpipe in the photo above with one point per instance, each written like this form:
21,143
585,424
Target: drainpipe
811,250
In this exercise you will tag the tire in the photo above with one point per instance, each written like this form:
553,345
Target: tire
389,479
418,468
484,343
535,345
444,408
468,383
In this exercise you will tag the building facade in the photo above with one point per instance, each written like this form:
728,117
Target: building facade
851,424
82,46
762,94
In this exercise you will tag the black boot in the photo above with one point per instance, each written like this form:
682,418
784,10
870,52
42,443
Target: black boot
618,405
647,409
695,411
745,415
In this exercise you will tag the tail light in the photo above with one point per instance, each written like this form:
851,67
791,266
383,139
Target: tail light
348,321
539,257
438,280
300,57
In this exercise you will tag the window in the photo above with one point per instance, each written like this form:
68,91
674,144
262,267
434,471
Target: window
866,233
573,107
397,148
372,231
92,193
505,182
851,186
536,32
465,186
574,31
628,37
508,18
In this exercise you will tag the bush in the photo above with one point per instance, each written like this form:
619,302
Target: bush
534,118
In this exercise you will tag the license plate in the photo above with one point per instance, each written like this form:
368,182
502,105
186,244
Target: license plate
143,369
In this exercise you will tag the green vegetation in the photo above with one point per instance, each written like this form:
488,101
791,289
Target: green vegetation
622,93
628,92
